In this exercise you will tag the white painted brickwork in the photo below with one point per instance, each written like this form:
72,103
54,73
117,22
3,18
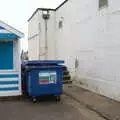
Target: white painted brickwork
92,36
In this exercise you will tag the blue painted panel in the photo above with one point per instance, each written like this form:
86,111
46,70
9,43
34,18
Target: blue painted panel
6,55
8,35
9,75
9,89
8,82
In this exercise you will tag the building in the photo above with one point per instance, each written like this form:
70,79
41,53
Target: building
86,35
40,34
10,63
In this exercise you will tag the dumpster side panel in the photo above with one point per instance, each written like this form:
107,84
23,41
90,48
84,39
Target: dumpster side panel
45,82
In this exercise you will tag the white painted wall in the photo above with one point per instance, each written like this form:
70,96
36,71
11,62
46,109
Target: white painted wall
36,36
16,57
52,36
92,36
33,37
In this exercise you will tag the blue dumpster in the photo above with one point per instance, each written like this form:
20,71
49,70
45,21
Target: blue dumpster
43,77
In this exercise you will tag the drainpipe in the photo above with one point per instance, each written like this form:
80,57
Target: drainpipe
39,36
46,41
39,27
46,16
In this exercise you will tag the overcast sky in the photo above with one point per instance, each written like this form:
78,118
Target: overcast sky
17,12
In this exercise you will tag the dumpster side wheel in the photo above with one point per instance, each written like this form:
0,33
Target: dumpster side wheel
34,100
58,98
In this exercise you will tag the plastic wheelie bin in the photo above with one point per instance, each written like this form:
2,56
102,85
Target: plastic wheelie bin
43,77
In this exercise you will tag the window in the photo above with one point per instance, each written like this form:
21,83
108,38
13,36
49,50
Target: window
103,3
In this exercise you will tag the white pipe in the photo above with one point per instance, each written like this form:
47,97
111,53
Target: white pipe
46,41
39,27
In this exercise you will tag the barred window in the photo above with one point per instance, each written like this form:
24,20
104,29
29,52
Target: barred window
103,3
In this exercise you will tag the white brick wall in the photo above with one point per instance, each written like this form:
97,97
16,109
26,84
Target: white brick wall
33,37
36,36
92,36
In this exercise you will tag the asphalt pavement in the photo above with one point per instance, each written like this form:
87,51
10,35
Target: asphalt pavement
67,109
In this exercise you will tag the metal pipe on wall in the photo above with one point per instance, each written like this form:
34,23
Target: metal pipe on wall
46,40
46,16
39,27
39,30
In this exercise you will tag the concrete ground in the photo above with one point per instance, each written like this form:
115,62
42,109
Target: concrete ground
67,109
105,107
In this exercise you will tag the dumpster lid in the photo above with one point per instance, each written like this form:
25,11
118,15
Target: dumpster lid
43,62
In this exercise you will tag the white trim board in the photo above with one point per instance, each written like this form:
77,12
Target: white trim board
11,29
10,93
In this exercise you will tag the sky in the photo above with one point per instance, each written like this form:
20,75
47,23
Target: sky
17,12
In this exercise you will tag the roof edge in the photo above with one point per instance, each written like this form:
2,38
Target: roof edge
61,5
38,10
11,29
33,14
47,9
